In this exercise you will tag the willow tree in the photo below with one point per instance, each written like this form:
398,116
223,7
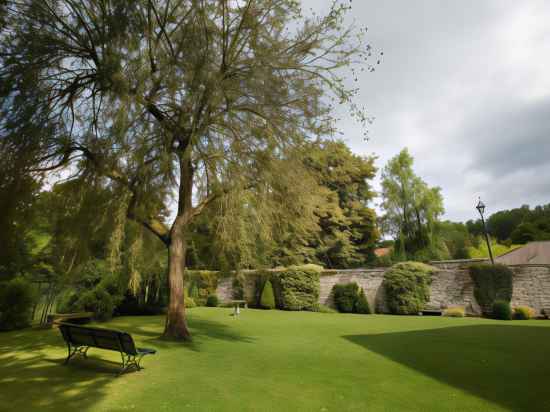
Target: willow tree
192,97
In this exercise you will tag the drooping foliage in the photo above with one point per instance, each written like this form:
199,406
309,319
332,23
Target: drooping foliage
113,89
407,287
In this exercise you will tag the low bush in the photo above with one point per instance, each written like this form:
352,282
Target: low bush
95,289
345,296
454,312
502,310
407,287
298,287
524,313
17,298
212,301
349,298
362,304
491,283
202,283
267,300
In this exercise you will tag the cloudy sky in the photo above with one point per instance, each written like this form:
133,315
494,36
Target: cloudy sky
465,85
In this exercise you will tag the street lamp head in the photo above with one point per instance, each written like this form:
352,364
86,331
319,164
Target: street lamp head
480,207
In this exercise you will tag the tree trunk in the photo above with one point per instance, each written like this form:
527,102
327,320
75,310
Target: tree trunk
176,324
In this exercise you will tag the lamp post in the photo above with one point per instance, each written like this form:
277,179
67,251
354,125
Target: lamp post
481,209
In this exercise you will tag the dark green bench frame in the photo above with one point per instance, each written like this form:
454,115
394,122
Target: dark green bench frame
81,338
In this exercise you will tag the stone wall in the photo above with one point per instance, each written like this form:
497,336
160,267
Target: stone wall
451,286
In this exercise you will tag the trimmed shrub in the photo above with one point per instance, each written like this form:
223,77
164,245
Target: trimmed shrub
298,287
362,304
267,301
212,301
345,296
407,287
502,310
524,313
17,298
491,283
454,312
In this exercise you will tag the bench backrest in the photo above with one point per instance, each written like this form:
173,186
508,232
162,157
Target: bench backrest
99,338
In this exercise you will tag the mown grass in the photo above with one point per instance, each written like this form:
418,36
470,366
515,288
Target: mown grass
497,249
290,361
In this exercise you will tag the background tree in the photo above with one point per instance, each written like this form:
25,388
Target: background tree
196,98
411,207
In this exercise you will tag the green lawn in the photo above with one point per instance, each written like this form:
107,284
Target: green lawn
291,361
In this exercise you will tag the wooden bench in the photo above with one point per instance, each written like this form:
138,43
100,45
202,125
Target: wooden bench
81,317
81,338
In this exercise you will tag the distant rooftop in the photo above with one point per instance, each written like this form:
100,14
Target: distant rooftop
531,253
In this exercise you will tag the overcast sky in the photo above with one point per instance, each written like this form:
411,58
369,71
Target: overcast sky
465,85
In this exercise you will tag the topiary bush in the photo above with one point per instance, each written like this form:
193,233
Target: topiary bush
299,287
524,313
349,298
454,312
322,309
491,283
267,300
17,298
212,301
345,296
502,310
407,287
362,304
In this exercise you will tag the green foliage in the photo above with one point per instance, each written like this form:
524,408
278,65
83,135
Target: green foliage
17,298
481,250
491,283
299,287
362,304
349,298
202,283
502,310
407,287
454,312
267,300
345,296
212,301
524,313
189,302
95,289
411,207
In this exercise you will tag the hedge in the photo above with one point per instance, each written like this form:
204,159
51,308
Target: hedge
491,283
407,287
298,287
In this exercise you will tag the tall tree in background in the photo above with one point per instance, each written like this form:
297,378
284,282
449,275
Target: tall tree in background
348,226
199,98
411,207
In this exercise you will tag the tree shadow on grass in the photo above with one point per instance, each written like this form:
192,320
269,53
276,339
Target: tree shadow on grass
505,364
33,378
201,331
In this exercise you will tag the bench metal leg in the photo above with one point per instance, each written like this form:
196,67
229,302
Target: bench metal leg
76,350
129,362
